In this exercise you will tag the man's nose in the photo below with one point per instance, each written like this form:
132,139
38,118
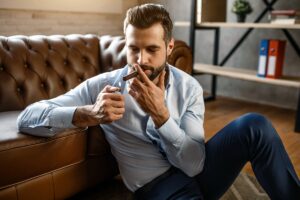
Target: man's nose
142,58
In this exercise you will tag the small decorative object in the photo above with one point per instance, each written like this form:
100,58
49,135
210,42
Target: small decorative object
241,8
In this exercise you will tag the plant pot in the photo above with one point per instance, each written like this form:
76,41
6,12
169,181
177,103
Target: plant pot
241,18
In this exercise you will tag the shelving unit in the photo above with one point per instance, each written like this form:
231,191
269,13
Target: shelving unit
216,68
244,74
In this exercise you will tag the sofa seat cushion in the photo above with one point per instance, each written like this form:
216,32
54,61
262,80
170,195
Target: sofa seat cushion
24,156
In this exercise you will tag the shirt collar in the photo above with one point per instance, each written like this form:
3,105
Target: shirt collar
170,78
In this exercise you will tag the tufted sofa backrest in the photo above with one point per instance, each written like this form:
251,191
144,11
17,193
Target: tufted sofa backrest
42,67
113,52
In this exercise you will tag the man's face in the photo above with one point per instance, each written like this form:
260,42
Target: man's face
147,48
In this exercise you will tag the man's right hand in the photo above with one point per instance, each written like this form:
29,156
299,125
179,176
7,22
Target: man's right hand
109,107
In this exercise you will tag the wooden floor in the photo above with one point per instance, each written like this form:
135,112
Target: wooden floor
223,110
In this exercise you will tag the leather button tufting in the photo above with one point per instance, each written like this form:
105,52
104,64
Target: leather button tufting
47,63
1,69
25,65
19,89
42,85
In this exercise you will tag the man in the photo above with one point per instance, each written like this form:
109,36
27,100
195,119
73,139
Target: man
154,124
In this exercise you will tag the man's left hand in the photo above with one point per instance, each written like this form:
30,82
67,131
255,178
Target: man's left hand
150,96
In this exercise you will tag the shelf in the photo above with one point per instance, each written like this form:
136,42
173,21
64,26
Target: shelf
211,14
243,74
238,25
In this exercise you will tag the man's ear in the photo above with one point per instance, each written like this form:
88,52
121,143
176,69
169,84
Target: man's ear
170,46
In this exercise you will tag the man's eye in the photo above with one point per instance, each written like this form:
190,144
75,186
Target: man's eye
152,50
134,49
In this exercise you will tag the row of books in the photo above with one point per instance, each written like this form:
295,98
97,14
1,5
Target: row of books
271,58
284,17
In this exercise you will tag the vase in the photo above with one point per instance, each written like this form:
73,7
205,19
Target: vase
241,18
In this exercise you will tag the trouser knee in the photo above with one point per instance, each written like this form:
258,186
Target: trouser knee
256,126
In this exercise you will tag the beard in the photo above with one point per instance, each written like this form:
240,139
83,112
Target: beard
155,71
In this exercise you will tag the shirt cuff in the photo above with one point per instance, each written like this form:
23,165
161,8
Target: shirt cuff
170,132
61,117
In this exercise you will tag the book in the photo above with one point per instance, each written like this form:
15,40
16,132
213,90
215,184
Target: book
285,21
284,17
263,58
275,61
290,12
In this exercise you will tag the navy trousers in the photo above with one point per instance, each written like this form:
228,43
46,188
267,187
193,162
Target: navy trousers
252,138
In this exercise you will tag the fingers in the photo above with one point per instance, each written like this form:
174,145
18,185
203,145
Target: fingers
110,92
161,81
133,93
138,85
109,106
110,99
116,104
113,96
144,78
108,110
110,96
111,89
108,114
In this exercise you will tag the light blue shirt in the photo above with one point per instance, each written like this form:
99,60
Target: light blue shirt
131,138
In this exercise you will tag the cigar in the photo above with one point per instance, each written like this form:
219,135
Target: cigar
130,76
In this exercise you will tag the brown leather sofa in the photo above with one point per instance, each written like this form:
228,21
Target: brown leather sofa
42,67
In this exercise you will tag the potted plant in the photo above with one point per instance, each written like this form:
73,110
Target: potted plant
241,8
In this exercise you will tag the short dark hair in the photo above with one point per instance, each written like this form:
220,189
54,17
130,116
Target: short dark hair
144,16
